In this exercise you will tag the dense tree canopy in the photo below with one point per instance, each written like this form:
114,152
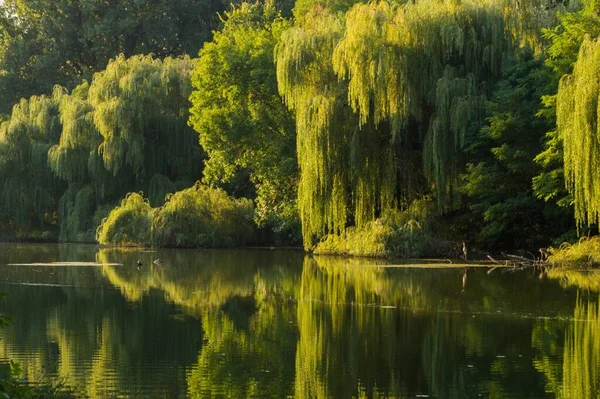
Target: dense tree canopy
352,117
386,79
29,190
69,157
242,122
498,182
44,43
578,123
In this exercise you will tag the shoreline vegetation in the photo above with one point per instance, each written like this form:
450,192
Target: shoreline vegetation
294,123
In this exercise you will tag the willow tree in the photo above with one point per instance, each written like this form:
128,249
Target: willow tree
312,91
29,191
125,132
578,123
386,79
140,110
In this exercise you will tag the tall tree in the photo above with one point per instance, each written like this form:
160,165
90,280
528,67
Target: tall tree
29,191
578,124
499,179
126,132
241,120
387,80
565,40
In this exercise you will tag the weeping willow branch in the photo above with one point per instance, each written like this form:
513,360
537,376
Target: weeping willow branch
384,79
578,120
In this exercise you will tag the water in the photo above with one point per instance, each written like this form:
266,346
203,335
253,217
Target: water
253,323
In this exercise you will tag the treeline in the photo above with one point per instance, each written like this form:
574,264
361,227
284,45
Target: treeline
380,128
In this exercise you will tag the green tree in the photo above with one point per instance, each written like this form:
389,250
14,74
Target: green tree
565,40
499,179
241,120
29,192
44,43
126,132
386,82
577,122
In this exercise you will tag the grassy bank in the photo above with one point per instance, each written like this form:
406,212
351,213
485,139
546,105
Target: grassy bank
583,254
404,234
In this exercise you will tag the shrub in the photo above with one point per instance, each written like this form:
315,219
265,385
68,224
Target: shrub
199,216
583,254
408,233
128,224
202,216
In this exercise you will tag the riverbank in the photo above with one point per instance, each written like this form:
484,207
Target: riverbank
583,254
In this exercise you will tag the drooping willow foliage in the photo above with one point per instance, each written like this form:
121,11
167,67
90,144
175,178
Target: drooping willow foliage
578,122
311,89
201,216
388,78
128,224
66,159
126,131
140,110
29,192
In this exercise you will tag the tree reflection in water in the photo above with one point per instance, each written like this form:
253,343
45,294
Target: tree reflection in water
277,324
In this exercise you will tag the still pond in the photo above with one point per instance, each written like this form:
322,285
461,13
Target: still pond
277,323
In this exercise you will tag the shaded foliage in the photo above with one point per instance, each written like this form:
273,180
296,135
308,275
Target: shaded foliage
29,191
498,182
44,43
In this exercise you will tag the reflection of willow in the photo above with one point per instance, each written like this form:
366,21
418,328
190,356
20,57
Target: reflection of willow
98,345
581,367
589,281
246,354
351,336
195,279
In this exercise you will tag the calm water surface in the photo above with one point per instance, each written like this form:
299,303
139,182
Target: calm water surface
239,324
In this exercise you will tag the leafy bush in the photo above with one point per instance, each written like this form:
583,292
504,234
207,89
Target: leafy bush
199,216
407,233
583,254
202,216
128,224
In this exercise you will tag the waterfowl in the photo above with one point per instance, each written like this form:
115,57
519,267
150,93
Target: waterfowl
157,262
543,254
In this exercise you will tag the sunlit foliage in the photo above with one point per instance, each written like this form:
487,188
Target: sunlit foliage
125,131
410,233
577,122
199,216
242,122
128,224
582,254
565,39
385,79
